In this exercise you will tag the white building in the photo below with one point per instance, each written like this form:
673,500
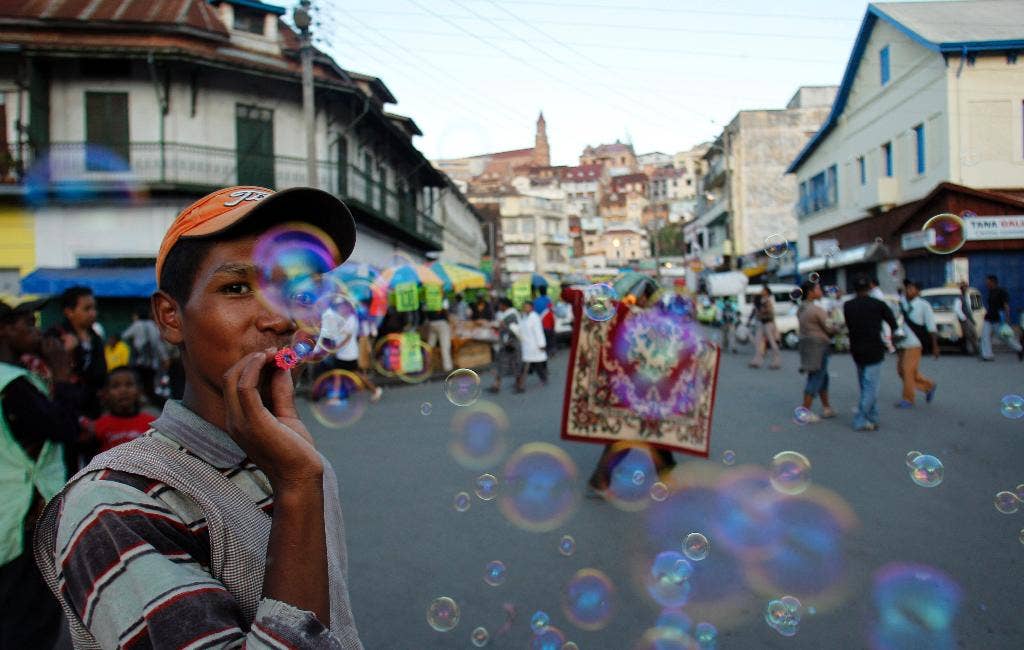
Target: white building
535,232
113,136
931,98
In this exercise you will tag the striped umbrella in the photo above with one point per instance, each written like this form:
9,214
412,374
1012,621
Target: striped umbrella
419,274
459,278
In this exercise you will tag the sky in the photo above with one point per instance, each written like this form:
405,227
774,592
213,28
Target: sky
662,74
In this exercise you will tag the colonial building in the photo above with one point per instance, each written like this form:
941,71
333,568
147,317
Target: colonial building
927,118
118,113
744,195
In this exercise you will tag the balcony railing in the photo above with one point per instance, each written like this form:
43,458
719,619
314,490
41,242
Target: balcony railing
75,164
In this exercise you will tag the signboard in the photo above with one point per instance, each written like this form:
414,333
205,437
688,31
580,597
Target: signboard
1001,227
520,294
407,297
917,239
410,354
824,247
432,297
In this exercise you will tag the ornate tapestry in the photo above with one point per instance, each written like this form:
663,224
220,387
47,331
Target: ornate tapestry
645,375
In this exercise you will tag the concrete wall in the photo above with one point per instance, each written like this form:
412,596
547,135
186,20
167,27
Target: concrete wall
463,238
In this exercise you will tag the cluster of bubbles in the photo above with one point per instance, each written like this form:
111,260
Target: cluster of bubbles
462,387
944,233
478,435
783,615
790,472
539,487
696,546
776,246
599,301
443,614
1012,407
925,470
588,599
915,606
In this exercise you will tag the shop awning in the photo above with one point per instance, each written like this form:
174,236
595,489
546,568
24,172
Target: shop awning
106,282
855,255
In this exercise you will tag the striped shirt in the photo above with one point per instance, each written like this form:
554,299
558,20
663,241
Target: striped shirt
133,558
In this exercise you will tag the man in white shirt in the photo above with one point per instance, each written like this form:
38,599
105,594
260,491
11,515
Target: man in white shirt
533,344
965,314
919,320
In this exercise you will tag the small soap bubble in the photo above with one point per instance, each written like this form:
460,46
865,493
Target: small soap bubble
495,573
668,581
796,294
926,471
944,233
790,472
570,645
599,301
539,621
803,415
339,398
706,634
1019,491
462,387
659,491
813,277
567,545
480,636
696,546
1012,407
551,638
538,490
1007,502
911,455
783,615
462,501
443,614
426,408
775,246
486,487
639,477
588,599
729,457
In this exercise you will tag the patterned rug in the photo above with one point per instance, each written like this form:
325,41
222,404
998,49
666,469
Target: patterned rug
645,375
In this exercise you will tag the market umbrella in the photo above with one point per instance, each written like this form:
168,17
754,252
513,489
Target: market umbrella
418,274
358,278
631,283
458,278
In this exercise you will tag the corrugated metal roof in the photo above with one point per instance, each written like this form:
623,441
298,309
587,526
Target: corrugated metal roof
960,22
197,14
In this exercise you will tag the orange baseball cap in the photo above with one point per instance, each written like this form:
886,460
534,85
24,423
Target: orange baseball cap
220,210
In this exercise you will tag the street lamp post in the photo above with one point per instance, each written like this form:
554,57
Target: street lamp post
302,21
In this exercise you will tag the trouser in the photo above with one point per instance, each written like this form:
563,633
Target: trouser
30,616
867,409
817,381
549,342
441,331
602,475
970,335
539,367
727,329
987,330
766,338
908,366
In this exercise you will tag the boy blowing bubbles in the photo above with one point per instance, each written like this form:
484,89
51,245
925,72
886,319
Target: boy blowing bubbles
171,553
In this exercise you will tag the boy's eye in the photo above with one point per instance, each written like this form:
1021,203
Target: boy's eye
237,288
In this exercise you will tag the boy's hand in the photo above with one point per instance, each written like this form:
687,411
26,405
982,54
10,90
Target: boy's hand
276,441
57,357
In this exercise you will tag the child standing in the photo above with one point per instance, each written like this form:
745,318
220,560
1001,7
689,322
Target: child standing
123,419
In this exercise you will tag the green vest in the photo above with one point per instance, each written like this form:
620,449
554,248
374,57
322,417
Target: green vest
21,476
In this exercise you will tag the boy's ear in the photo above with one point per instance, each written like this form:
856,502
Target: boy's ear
167,315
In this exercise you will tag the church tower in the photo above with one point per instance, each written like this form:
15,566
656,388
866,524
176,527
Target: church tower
541,150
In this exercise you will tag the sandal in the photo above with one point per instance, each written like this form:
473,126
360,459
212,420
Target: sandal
828,413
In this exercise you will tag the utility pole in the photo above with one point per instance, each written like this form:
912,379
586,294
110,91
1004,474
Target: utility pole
728,196
302,21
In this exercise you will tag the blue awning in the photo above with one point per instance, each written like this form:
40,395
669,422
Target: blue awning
106,282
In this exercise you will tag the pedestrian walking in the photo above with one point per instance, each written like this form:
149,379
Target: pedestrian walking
35,422
532,344
339,334
920,330
729,316
440,334
997,321
965,314
193,497
545,309
508,353
767,334
864,317
816,332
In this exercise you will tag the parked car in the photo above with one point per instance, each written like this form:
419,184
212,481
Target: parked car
942,299
563,320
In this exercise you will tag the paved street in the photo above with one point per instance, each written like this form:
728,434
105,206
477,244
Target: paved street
408,545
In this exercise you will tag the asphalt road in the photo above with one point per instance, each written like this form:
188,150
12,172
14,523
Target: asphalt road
408,545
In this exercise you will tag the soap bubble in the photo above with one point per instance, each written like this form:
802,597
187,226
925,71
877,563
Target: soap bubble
539,490
676,620
305,343
426,408
668,581
659,491
339,398
802,415
462,501
292,261
599,301
486,487
944,233
926,471
796,294
696,546
790,472
478,435
1019,491
495,573
665,638
462,387
443,614
1007,502
551,638
813,277
539,621
480,636
783,615
588,599
729,457
632,477
706,634
911,455
415,367
775,246
570,645
567,545
1012,406
915,607
1021,536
